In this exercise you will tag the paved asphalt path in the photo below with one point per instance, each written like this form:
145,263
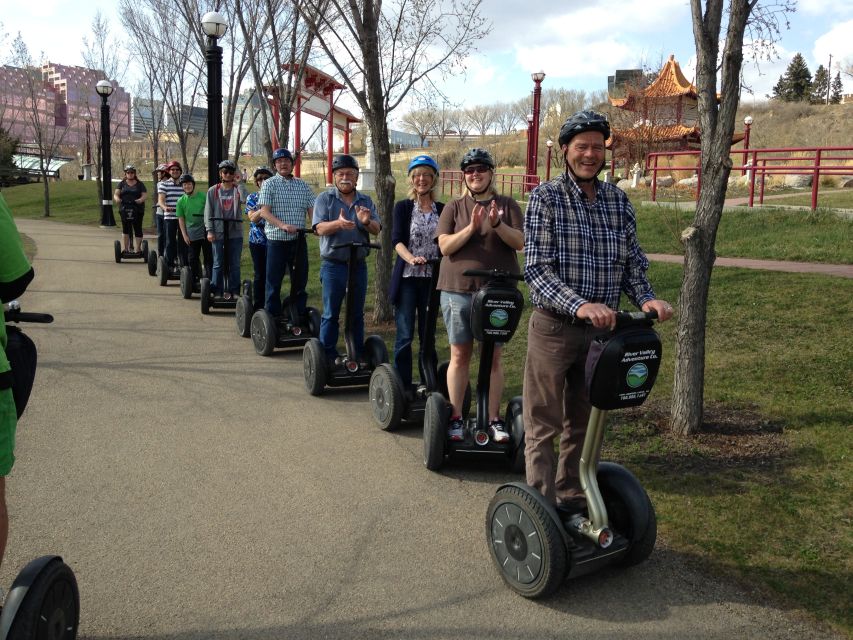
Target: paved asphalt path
198,492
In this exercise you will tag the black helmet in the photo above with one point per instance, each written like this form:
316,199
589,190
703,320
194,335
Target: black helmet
187,177
583,121
262,171
344,162
227,164
477,156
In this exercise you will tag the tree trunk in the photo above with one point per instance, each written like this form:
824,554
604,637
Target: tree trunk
385,194
46,195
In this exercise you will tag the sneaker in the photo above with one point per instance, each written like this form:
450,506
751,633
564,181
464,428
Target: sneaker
497,430
456,429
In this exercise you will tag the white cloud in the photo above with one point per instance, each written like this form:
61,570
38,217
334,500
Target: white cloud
838,41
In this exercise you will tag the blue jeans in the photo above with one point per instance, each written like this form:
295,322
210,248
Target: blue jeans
235,248
259,261
333,277
281,256
414,298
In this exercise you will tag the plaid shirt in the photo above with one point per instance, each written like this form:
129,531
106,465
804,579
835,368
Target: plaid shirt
289,201
577,251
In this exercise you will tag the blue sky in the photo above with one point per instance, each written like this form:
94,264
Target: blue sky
577,44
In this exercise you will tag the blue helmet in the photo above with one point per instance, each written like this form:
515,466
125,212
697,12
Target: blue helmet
281,153
422,161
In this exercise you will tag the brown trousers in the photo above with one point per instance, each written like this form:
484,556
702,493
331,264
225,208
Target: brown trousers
555,403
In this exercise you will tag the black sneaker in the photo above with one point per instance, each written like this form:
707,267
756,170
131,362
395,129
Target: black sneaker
498,432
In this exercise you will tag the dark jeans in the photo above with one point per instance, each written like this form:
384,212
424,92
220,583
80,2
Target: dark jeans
333,276
176,249
196,249
259,261
234,249
281,256
414,298
161,234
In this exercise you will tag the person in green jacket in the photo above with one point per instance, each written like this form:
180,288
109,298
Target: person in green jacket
190,213
15,274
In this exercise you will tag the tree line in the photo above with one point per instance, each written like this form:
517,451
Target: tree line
798,85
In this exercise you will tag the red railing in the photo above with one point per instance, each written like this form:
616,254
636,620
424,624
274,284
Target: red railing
762,162
516,184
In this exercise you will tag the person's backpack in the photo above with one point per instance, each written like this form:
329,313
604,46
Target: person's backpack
22,355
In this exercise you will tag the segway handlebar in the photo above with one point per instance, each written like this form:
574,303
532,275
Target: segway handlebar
14,314
347,245
626,319
494,274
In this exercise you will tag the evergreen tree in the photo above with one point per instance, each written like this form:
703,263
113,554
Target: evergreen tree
836,90
820,86
796,83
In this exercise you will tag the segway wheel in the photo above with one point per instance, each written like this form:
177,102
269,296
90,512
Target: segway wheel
629,511
51,606
186,283
162,271
435,431
515,422
387,398
313,321
144,247
314,367
376,351
117,247
152,263
525,543
204,292
243,316
264,332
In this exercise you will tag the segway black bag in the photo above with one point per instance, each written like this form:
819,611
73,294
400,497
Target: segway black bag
22,356
621,367
495,312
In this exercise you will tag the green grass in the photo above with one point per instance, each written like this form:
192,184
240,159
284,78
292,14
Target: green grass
763,493
826,198
771,234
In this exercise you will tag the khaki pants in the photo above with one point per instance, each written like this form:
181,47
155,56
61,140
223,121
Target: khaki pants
555,403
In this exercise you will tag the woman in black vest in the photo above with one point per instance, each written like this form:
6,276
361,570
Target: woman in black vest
415,220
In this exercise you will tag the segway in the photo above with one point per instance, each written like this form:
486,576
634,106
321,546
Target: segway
292,329
349,373
244,310
120,253
534,546
43,601
391,402
208,300
495,313
190,282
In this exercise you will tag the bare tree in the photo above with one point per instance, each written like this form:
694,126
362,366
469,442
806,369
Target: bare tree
717,124
458,123
481,118
506,117
422,122
381,51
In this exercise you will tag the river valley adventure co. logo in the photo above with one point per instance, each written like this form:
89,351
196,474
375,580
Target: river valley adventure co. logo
637,375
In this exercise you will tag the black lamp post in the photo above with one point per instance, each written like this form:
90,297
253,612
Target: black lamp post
214,27
105,89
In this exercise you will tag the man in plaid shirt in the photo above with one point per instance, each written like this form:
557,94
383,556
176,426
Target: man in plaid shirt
581,253
284,202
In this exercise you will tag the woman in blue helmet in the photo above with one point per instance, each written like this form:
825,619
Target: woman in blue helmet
414,224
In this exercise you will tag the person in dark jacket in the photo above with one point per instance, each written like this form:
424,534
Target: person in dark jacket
414,223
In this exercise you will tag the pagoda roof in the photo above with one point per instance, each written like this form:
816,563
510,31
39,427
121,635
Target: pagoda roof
670,82
660,133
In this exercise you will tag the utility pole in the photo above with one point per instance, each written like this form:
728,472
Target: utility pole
828,78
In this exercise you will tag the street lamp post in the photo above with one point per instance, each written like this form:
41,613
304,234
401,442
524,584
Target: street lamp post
549,144
528,170
537,77
747,123
105,89
214,27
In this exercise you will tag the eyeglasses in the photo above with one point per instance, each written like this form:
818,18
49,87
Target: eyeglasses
477,168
